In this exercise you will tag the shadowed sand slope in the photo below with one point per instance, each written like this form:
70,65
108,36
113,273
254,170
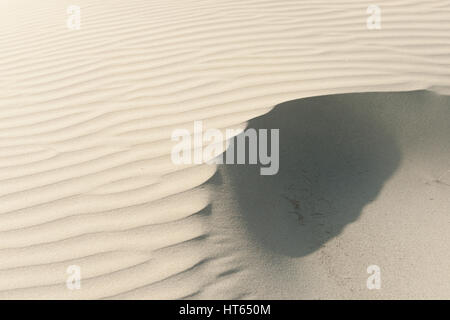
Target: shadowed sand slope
336,152
377,161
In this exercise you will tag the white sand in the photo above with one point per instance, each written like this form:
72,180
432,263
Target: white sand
86,177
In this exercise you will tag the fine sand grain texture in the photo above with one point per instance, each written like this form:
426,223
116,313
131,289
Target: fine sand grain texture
86,177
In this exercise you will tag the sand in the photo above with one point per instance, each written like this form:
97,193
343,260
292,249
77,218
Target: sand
86,177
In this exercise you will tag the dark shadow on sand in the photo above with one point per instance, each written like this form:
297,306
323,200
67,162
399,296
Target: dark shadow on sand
336,152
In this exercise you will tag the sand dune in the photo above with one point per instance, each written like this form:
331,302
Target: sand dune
86,176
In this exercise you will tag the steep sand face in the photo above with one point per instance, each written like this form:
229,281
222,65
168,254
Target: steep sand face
86,117
363,180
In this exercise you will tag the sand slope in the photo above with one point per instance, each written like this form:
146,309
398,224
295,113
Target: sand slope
86,117
363,180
